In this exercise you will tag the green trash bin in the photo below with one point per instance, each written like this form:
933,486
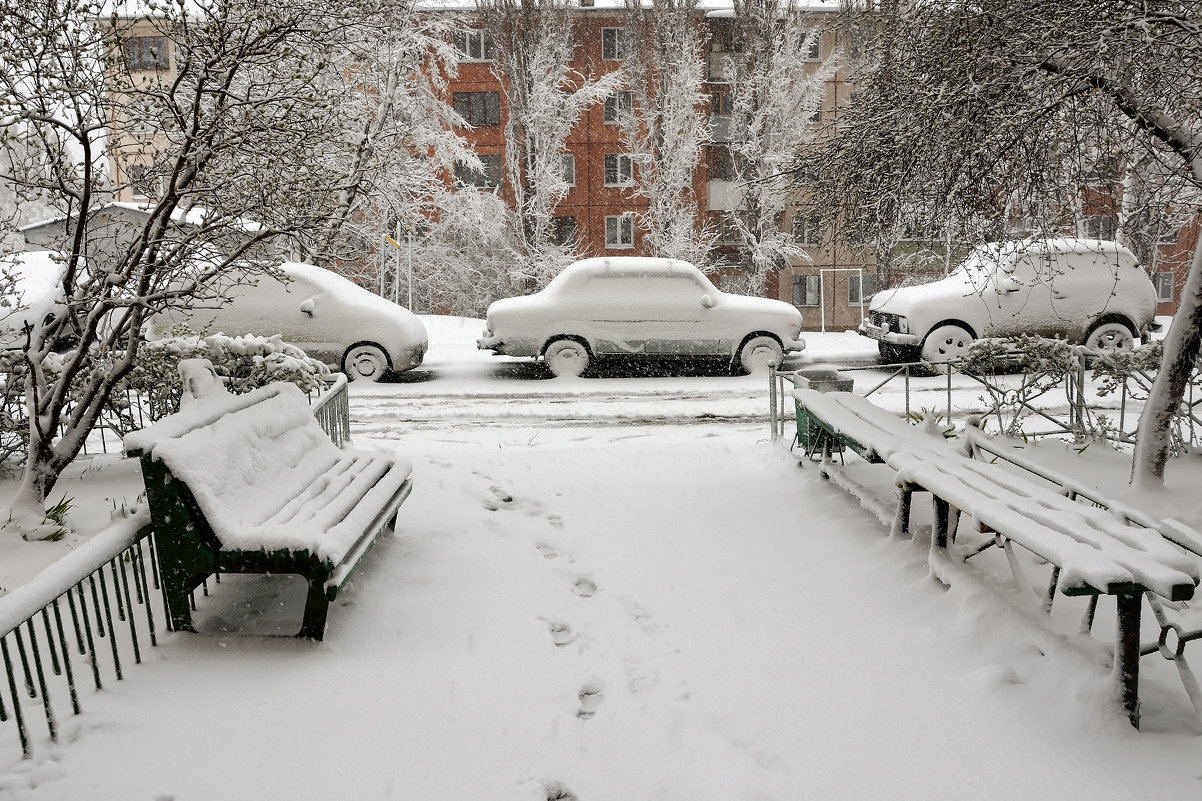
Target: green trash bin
819,379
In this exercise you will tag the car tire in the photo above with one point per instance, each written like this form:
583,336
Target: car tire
1110,335
365,362
758,352
946,343
566,358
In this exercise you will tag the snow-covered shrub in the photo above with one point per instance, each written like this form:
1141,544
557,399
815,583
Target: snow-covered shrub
1041,365
243,362
14,415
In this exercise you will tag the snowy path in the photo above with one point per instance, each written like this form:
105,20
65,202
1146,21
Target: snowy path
677,613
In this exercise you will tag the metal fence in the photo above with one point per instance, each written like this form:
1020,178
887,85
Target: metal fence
82,621
1096,396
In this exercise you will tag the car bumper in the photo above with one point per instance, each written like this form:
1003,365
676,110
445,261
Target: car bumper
882,334
793,345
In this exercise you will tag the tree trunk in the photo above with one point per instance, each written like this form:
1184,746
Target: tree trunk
1181,345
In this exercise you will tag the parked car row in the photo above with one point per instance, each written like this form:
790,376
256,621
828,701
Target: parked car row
1086,291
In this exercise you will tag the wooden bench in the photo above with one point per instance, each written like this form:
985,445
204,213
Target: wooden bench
252,484
1093,551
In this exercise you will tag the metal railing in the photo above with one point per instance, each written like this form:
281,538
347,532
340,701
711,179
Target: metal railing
1073,409
100,597
93,611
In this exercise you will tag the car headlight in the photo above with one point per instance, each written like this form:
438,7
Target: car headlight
903,325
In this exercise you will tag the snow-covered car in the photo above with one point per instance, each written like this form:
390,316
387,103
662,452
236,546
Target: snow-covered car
1084,290
639,307
329,317
30,290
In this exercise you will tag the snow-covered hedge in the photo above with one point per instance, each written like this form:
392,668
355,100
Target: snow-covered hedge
152,389
244,362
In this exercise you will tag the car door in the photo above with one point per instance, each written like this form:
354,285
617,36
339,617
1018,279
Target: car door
669,314
1021,298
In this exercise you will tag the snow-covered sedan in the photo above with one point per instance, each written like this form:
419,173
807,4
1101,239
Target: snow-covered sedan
330,317
1087,291
640,307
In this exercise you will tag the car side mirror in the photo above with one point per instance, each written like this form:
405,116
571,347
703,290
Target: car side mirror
1008,284
307,307
707,301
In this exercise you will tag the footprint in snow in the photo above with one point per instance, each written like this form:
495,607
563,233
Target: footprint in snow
561,633
546,550
500,499
585,587
557,792
590,696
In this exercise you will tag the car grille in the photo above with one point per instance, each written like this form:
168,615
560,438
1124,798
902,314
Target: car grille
883,320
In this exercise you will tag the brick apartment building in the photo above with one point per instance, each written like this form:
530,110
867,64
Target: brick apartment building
598,211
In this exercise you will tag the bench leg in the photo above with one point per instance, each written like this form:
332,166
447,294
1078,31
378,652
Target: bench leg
317,607
177,597
901,521
1126,654
942,520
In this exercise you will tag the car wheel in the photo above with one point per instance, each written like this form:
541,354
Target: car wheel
758,352
946,343
566,357
365,363
1110,336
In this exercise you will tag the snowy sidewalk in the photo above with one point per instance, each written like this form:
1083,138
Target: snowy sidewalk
617,614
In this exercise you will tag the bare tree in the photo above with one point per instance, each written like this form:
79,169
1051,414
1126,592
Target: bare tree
777,83
222,114
545,97
667,124
991,115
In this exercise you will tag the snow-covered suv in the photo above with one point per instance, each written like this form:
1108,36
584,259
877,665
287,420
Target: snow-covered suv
1084,290
637,306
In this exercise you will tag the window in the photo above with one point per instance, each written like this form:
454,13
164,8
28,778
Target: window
728,231
807,229
1098,226
719,164
618,105
619,169
857,294
143,182
805,290
1164,287
478,108
569,169
816,115
725,36
619,231
813,46
475,45
147,53
722,104
614,44
1168,234
488,178
563,231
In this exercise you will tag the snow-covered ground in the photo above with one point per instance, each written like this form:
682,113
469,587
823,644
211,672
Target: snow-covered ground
612,588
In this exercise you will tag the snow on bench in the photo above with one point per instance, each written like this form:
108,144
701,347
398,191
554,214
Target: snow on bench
1094,551
252,484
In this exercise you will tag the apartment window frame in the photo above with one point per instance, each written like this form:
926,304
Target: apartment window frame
1165,283
813,47
857,294
568,168
807,290
619,167
564,231
618,106
807,228
490,177
475,44
478,109
146,53
619,231
615,44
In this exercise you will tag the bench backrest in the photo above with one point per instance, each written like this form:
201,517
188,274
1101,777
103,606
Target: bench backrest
242,457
